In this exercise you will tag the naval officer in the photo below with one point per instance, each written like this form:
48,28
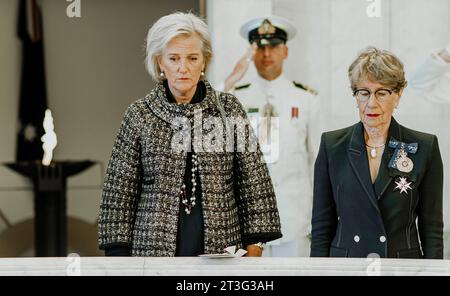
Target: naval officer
284,114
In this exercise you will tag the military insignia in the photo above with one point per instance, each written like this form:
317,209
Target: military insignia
404,163
252,110
243,86
306,88
400,160
266,28
294,113
264,42
403,185
269,110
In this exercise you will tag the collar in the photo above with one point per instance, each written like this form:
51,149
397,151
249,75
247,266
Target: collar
198,97
357,142
161,106
269,86
357,155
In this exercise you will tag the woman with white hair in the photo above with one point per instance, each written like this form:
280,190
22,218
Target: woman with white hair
166,191
377,184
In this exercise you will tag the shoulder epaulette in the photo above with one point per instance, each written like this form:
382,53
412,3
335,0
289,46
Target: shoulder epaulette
243,86
306,88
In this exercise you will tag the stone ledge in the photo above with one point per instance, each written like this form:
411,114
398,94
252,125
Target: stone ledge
184,266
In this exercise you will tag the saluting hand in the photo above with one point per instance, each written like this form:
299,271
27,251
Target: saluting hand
241,67
445,54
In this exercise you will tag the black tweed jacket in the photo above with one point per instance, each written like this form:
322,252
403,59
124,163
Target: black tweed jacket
140,199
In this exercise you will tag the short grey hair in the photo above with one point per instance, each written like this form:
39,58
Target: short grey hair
169,27
377,65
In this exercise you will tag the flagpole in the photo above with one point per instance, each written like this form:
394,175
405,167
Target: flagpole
35,21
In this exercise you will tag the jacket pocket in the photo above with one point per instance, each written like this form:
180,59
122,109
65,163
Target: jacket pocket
338,252
414,253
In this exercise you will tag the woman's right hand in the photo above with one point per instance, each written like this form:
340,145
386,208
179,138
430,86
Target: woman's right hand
254,251
241,67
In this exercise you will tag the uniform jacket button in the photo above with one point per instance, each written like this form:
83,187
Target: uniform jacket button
356,238
382,238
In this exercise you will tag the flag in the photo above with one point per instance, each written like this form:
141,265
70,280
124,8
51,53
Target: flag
33,92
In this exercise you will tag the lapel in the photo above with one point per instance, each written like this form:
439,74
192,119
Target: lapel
384,177
357,155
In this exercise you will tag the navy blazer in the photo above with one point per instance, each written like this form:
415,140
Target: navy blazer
354,218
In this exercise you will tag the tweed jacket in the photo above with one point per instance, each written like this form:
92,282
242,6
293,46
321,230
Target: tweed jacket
354,218
140,198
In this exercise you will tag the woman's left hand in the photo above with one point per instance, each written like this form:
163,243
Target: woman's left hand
253,251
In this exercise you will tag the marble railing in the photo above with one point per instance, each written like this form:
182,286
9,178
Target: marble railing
183,266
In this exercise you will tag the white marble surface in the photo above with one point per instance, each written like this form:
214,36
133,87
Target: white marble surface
101,266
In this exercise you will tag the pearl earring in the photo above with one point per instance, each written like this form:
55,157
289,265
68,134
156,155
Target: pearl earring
202,73
161,74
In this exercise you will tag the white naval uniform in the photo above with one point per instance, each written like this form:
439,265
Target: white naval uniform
292,168
432,79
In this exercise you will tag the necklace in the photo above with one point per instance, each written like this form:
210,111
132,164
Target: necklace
190,203
373,150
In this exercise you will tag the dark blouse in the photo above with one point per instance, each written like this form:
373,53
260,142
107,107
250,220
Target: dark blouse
190,236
